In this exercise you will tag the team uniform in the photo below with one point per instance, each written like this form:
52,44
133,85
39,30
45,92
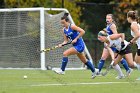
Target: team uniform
110,32
117,45
138,40
79,47
138,45
123,61
72,34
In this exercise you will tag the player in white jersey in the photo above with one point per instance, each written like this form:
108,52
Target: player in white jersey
133,18
122,46
110,29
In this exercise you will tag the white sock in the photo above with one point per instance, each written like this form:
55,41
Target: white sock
118,69
135,64
138,66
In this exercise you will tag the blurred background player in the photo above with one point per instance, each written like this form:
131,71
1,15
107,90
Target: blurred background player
74,34
132,17
111,29
123,49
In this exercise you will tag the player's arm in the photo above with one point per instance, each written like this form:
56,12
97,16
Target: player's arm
114,29
116,36
65,39
80,30
110,51
134,28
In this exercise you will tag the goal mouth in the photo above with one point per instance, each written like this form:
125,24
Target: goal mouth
24,30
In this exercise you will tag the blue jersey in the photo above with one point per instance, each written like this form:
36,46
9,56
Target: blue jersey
72,34
109,31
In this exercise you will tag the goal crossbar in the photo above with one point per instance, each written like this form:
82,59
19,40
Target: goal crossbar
42,28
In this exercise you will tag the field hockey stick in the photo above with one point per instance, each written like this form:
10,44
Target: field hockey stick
54,47
110,66
108,69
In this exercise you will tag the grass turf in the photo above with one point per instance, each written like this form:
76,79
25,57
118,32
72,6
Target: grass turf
11,81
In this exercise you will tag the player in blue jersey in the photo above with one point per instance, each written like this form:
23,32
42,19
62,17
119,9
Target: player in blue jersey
73,33
111,29
123,49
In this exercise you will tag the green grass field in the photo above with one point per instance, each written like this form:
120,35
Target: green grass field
11,81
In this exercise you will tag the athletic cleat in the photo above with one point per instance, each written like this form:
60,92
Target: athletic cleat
59,71
97,72
129,72
93,75
120,77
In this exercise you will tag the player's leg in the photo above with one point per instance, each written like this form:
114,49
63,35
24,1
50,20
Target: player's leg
117,67
104,56
129,59
137,59
123,61
125,64
88,63
68,52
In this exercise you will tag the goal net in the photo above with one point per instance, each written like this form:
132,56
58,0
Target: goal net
24,30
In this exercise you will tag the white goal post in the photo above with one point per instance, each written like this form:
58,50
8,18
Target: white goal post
23,30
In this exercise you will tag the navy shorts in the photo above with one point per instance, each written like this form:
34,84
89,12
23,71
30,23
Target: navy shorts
79,48
138,52
127,50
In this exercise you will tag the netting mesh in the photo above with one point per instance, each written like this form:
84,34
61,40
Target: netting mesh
19,39
53,34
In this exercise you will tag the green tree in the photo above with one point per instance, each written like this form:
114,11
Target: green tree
74,10
120,12
27,3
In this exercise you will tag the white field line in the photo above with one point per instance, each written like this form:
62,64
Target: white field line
70,84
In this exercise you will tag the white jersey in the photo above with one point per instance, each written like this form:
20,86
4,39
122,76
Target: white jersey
117,43
133,34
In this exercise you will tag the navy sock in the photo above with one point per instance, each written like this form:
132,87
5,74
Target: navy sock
125,65
90,66
64,63
101,64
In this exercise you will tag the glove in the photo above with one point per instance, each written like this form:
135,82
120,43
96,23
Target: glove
122,44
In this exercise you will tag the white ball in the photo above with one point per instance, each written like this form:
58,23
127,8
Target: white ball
24,76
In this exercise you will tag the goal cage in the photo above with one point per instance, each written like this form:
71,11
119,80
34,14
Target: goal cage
24,30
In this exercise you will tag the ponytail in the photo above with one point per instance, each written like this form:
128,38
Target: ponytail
133,15
65,16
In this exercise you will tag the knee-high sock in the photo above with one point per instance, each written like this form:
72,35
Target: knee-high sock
125,65
137,65
118,69
101,64
64,63
90,66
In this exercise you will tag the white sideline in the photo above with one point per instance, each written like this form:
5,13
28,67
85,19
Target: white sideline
70,84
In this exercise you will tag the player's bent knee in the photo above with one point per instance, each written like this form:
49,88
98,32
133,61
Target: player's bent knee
131,65
103,58
65,54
